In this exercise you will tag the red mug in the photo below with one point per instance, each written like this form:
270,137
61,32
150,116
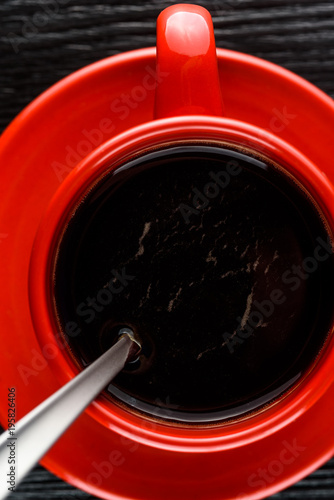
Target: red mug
188,99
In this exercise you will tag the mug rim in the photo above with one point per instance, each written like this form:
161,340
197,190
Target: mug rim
119,149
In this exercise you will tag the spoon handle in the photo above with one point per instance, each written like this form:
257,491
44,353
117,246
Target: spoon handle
37,431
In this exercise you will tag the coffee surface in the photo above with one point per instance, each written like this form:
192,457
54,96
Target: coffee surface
219,263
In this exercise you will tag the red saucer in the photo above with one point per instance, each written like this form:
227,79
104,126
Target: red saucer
37,151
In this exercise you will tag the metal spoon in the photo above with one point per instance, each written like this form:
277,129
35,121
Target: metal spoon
37,431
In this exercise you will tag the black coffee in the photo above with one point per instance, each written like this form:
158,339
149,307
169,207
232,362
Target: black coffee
220,264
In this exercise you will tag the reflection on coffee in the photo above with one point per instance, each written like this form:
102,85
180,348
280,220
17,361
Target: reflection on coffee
221,265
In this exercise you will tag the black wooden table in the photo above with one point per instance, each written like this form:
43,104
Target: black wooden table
43,41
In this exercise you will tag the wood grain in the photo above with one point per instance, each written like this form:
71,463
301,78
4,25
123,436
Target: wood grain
41,42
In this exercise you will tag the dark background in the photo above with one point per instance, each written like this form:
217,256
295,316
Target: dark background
43,41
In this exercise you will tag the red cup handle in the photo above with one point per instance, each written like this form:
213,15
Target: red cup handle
187,63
